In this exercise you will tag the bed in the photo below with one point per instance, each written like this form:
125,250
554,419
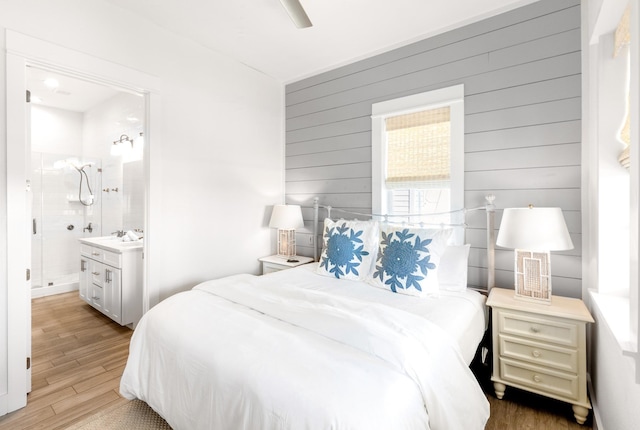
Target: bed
328,345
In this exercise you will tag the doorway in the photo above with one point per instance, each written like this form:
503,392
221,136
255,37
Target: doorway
23,51
86,171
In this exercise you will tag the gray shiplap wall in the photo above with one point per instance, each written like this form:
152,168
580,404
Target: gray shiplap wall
522,76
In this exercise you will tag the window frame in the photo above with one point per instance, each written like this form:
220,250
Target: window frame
450,96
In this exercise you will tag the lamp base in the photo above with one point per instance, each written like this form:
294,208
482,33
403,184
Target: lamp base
533,276
286,243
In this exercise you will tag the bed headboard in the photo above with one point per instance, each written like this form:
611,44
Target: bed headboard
489,208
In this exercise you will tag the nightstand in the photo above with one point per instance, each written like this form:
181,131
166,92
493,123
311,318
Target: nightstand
541,348
274,263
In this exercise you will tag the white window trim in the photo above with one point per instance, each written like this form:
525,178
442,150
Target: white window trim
451,96
619,309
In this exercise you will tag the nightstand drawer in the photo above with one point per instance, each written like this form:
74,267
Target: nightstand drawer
546,329
542,354
542,380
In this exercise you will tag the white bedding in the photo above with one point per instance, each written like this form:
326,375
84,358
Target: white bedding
296,350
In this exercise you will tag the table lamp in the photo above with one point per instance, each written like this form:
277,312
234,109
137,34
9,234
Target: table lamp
286,218
533,233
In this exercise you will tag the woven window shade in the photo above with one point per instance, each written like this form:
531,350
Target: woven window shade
418,149
622,38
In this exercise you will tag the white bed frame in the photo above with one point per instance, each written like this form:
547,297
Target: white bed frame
489,207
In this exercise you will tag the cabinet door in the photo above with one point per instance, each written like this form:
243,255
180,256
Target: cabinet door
113,293
84,280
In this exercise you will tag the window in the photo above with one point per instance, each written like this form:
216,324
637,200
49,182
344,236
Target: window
418,154
613,202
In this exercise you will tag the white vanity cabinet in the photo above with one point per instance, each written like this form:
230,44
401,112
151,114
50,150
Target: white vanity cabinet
111,278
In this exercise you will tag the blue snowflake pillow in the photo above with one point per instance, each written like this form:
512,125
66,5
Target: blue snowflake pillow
408,259
348,248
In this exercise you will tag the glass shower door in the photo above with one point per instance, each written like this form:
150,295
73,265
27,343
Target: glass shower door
66,192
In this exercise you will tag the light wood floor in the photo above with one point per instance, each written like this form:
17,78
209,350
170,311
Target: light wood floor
79,355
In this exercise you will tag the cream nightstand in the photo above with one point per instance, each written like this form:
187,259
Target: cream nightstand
274,263
541,348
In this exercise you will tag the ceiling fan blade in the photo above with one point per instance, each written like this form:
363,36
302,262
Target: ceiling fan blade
296,13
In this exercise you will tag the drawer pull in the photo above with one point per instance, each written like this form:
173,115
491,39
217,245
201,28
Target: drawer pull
534,329
536,378
95,298
95,273
95,253
536,353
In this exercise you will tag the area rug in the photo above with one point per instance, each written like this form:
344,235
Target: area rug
132,415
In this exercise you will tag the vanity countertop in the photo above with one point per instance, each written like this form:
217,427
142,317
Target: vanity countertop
113,243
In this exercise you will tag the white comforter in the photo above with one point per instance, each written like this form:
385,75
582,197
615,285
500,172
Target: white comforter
242,353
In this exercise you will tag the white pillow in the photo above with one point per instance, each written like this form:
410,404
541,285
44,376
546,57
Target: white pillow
348,249
452,274
408,260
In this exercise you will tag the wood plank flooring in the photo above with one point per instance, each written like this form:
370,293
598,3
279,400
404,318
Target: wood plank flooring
79,355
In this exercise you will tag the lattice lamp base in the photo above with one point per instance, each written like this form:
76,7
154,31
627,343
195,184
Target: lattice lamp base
533,275
286,242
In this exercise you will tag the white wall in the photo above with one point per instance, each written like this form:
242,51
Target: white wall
616,394
58,131
221,135
219,166
104,124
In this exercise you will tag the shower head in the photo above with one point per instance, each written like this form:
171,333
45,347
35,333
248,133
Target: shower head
83,166
80,168
71,162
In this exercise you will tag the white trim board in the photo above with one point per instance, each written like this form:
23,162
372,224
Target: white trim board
23,51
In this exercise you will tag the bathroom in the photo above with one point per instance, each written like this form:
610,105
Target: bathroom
86,176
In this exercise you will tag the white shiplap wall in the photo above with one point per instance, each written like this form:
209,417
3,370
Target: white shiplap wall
522,76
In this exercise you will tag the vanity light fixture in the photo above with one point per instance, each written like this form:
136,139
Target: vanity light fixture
123,138
118,148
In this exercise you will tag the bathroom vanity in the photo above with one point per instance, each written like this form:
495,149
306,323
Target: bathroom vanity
111,277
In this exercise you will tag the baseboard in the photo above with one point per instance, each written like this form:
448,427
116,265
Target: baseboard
597,419
57,289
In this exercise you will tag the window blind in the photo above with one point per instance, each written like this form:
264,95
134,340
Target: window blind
418,149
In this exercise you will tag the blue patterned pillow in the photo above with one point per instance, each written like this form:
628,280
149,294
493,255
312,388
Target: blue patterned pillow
408,260
348,248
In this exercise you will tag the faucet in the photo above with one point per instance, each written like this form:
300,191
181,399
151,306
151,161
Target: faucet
118,233
88,228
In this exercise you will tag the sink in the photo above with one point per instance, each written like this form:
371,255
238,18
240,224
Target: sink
134,243
112,242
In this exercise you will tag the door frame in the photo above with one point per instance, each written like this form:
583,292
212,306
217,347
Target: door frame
23,51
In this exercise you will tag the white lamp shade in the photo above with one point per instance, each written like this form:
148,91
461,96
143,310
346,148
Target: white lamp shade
535,229
286,217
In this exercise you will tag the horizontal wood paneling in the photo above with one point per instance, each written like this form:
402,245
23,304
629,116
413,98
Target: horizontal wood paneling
514,18
521,72
539,134
522,158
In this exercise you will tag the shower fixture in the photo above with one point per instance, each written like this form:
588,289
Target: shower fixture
83,175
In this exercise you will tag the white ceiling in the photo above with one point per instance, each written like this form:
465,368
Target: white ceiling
260,34
71,94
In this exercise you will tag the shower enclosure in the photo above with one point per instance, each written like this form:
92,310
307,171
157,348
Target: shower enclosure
66,206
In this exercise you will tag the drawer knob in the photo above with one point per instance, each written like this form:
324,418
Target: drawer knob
536,378
534,329
536,353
